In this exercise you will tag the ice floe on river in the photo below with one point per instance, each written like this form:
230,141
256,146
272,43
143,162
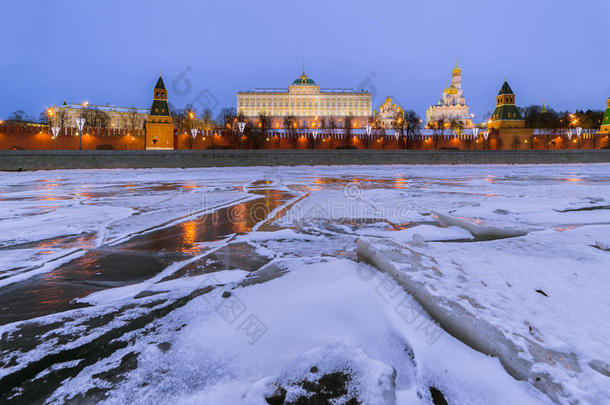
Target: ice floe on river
380,285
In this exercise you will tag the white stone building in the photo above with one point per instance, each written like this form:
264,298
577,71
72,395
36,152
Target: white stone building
452,105
305,101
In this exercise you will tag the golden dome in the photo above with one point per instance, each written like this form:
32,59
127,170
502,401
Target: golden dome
456,71
450,89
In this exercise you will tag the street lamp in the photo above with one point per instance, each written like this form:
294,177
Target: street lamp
314,134
194,135
475,134
55,131
80,123
486,135
241,125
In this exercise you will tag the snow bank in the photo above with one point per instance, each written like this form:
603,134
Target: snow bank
489,298
480,230
334,371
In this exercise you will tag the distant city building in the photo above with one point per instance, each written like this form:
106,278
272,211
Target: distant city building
388,112
506,114
452,105
159,125
305,101
117,117
605,128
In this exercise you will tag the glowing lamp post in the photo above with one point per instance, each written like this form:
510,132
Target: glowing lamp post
368,135
194,135
314,134
241,125
80,124
475,136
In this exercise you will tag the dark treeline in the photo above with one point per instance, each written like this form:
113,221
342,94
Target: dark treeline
538,117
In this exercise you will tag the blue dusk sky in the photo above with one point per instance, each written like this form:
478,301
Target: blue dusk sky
113,51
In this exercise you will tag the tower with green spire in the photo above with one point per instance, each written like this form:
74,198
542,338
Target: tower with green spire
159,126
506,114
605,128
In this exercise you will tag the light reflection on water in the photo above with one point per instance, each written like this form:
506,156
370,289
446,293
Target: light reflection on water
135,260
146,255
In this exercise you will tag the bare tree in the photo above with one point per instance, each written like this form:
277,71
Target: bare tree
60,118
332,124
95,118
347,124
207,121
18,117
178,117
264,121
44,118
227,117
290,124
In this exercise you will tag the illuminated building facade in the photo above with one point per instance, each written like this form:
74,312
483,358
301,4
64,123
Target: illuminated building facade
118,117
388,113
305,101
452,105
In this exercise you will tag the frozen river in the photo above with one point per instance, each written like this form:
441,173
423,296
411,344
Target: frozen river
380,285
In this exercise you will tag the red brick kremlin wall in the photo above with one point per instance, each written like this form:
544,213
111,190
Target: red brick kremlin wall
39,137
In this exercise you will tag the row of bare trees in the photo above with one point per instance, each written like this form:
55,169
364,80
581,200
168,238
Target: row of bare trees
187,118
94,118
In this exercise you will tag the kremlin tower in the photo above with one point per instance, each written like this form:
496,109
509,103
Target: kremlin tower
159,126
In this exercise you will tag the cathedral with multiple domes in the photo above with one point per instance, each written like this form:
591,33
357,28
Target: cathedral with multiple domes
451,109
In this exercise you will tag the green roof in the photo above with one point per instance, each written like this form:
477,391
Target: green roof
303,80
159,107
506,112
160,85
505,89
606,120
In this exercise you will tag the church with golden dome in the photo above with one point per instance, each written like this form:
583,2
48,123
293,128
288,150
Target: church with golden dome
451,107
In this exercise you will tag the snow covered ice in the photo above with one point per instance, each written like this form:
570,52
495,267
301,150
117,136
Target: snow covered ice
352,284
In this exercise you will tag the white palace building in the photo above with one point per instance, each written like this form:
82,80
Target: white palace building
451,107
305,101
